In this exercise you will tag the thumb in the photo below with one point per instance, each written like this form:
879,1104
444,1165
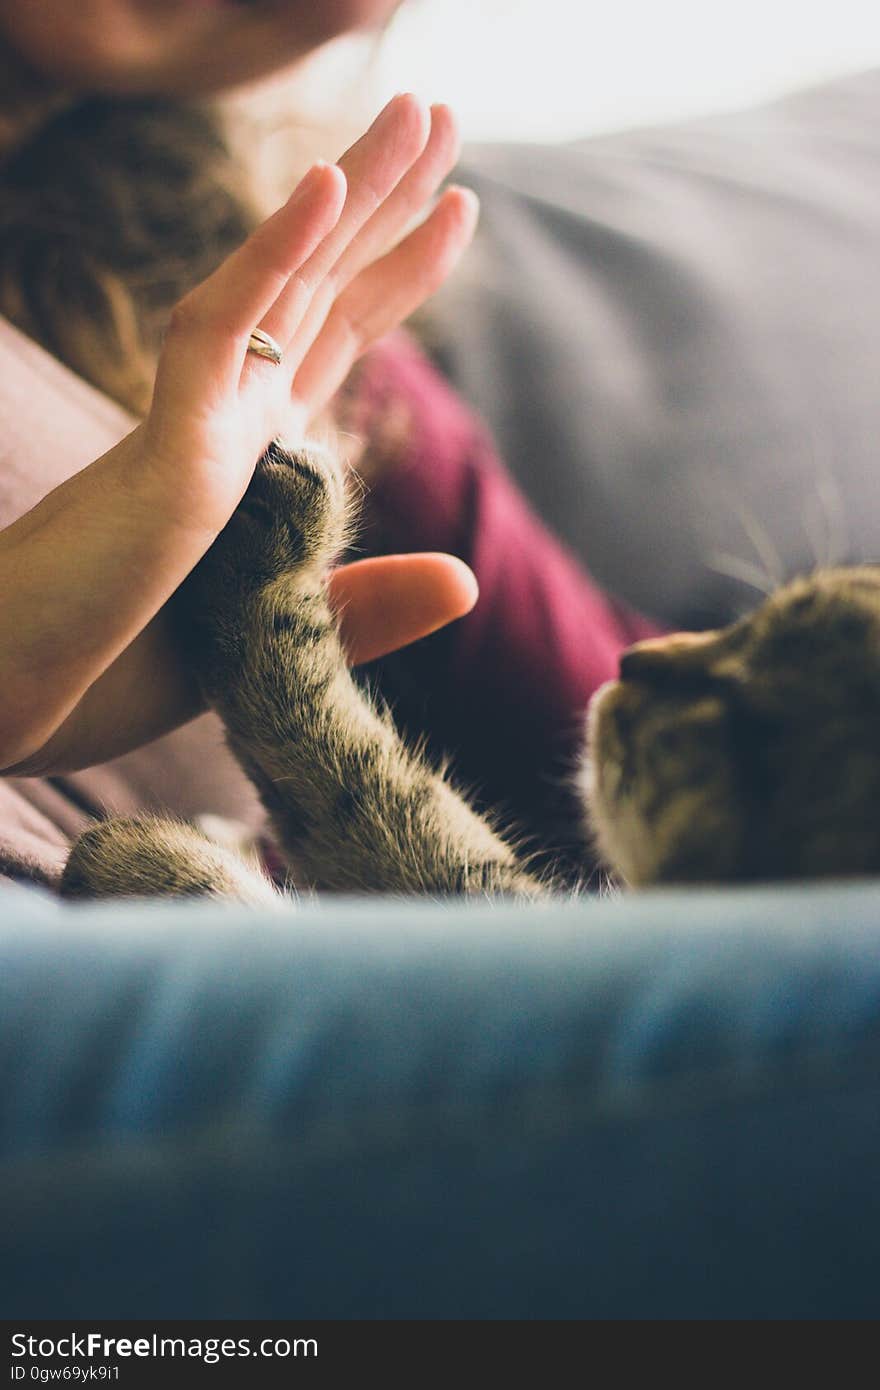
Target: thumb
391,600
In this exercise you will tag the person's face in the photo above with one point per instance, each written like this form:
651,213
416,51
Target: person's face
176,47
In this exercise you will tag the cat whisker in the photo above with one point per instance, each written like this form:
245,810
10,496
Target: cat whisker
831,513
763,545
824,517
769,564
734,567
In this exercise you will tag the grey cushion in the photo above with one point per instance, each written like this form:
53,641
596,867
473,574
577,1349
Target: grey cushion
675,334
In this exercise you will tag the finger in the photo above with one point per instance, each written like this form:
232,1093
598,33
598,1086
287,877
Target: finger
410,198
207,336
387,602
385,294
373,168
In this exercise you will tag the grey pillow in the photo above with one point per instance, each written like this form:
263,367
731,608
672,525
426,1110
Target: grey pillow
675,335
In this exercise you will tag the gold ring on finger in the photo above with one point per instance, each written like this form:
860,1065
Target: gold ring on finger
265,346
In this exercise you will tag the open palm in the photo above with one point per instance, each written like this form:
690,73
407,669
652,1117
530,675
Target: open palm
319,277
89,669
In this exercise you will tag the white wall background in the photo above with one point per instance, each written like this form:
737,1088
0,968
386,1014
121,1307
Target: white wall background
550,69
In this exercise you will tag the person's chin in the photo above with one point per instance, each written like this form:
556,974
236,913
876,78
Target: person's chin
264,36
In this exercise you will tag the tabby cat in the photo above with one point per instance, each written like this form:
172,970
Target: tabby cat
747,753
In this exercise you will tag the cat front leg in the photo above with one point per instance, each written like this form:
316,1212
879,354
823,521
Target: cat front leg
353,808
152,857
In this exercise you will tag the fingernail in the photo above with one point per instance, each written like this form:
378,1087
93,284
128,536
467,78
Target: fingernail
306,182
398,96
468,194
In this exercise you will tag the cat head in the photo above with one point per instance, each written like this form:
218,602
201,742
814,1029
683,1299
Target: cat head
751,752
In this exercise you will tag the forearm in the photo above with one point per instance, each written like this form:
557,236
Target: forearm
85,572
145,693
148,690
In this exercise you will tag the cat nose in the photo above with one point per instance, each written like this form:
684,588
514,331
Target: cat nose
634,660
660,658
644,660
631,661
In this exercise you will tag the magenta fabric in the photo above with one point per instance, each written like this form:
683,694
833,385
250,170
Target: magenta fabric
503,691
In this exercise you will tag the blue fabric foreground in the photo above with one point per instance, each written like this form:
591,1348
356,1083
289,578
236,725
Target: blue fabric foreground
661,1106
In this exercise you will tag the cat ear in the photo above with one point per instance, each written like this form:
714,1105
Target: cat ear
714,654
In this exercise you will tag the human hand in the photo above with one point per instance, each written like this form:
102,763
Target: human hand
319,277
88,669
